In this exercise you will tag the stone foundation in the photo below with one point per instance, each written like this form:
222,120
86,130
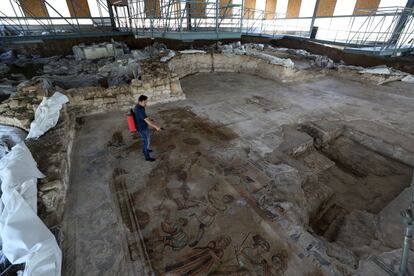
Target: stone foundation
184,65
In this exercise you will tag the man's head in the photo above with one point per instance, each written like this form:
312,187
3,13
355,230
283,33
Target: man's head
142,100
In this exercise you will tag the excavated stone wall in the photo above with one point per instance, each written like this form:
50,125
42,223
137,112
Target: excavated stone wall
184,65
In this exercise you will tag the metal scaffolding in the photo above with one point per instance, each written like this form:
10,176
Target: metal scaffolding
24,24
384,31
186,19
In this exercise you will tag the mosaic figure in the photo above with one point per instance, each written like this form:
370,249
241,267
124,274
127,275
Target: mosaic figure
181,197
279,263
177,239
252,257
201,260
209,210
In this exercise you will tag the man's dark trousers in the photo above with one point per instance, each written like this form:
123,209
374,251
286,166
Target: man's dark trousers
145,135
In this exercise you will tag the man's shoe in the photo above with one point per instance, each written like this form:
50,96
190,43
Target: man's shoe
150,159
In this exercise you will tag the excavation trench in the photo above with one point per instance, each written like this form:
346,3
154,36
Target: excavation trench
355,184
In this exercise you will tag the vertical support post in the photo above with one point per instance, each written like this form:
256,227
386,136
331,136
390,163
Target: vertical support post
129,18
111,14
402,21
117,16
217,16
188,8
241,17
262,22
315,12
76,15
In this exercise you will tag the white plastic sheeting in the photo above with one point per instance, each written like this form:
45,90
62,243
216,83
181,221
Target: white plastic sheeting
47,115
24,237
10,136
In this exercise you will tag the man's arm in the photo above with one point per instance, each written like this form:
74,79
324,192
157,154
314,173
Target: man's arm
151,124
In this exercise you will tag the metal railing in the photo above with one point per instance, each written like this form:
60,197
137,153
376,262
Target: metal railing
184,17
370,31
24,23
385,31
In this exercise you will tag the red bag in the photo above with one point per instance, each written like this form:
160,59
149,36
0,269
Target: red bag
131,122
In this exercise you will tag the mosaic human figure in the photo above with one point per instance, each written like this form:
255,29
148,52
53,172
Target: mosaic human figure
181,197
177,239
252,257
209,211
279,263
201,260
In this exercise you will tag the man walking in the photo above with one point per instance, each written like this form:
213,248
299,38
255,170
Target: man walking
142,121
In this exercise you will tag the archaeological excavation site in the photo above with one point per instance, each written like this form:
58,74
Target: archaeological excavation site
199,137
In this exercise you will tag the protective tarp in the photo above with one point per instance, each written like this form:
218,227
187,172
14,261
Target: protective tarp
47,115
18,169
10,136
24,237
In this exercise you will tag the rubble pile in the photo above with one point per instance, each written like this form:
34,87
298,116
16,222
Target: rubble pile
153,51
4,68
89,66
120,71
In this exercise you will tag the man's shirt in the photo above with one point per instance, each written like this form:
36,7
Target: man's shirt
140,116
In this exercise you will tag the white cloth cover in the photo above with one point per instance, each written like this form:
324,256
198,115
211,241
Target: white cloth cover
47,115
24,237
